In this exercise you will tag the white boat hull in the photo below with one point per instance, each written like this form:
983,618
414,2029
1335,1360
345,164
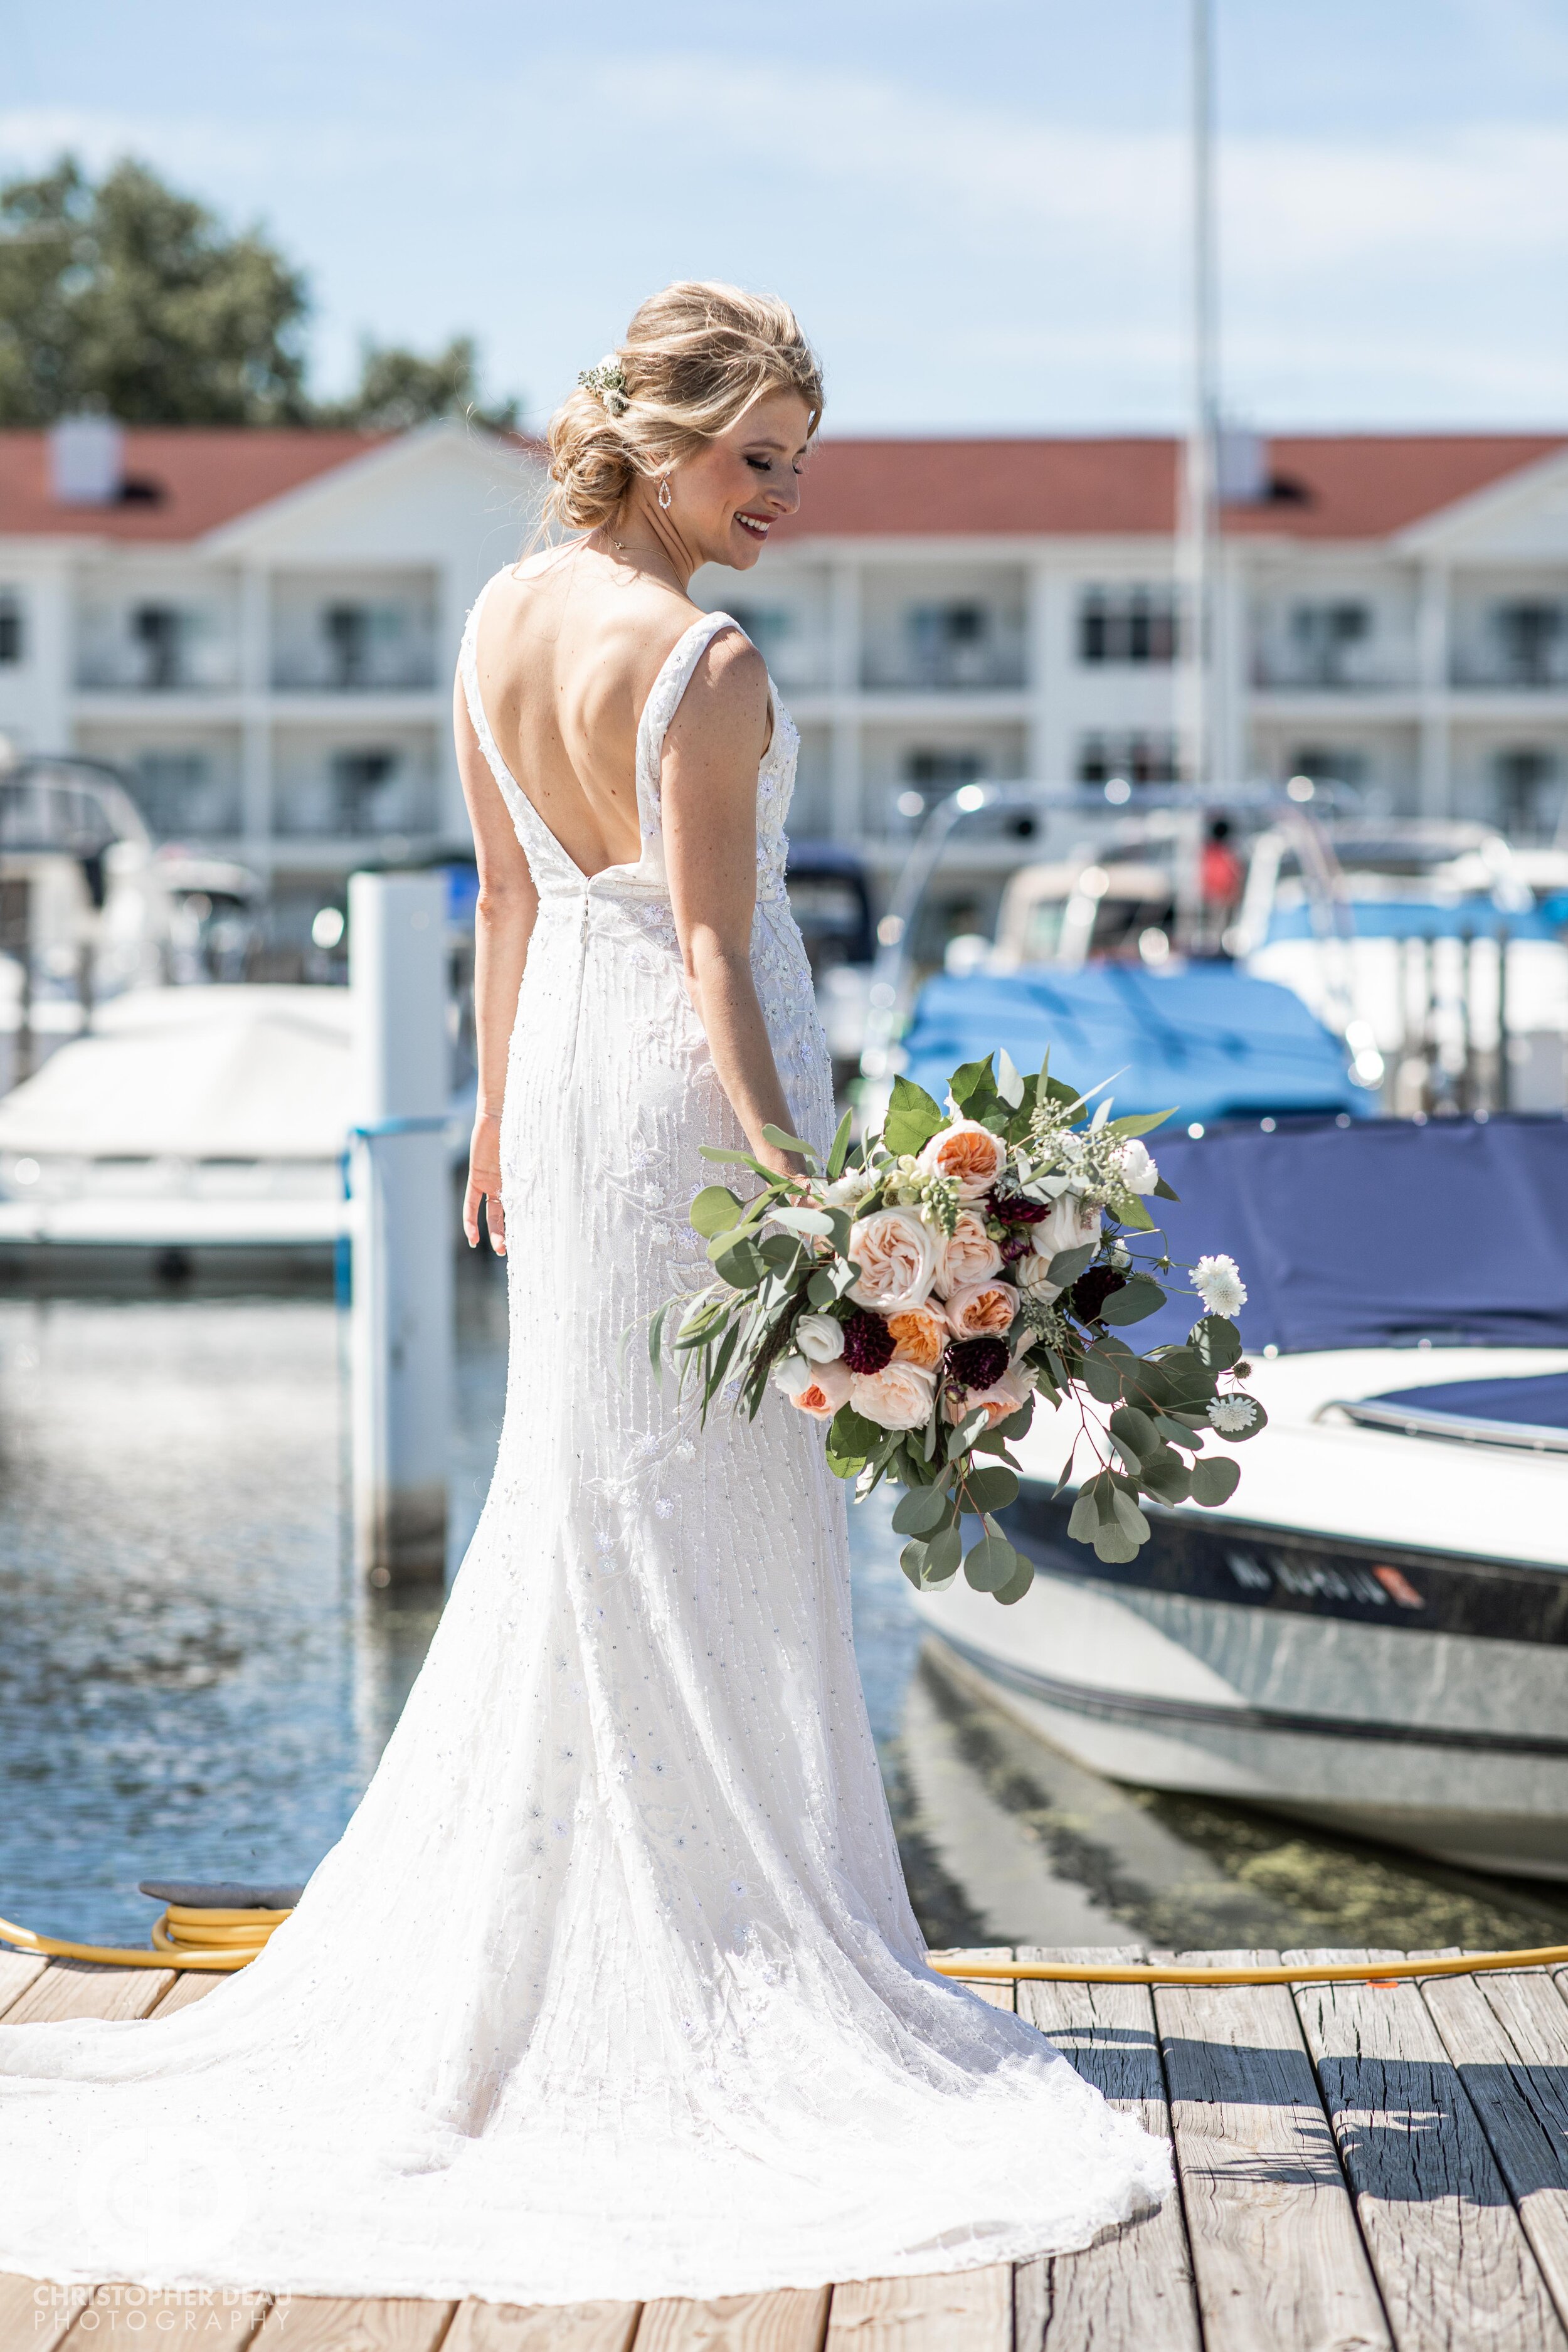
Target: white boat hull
1407,1681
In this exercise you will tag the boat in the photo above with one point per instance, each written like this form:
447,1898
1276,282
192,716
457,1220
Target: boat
190,1118
1372,1634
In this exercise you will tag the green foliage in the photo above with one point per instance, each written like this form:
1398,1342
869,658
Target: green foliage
1215,1480
913,1119
1216,1341
126,298
1139,1295
715,1210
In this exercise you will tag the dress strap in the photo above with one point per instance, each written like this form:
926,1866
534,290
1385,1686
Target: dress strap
663,702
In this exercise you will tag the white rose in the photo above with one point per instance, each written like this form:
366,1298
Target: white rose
895,1250
1139,1173
819,1338
793,1373
1033,1273
1072,1224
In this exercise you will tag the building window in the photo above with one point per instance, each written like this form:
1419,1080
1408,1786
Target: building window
159,633
1134,624
364,783
1327,763
181,793
769,626
1531,640
11,643
1529,793
950,644
1322,635
1141,758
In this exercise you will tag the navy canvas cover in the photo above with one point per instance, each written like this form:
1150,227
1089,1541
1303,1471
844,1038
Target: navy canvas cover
1535,1401
1377,1234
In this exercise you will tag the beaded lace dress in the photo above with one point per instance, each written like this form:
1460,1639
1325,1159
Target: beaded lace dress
611,1987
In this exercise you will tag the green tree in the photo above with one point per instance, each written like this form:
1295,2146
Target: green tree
129,297
398,388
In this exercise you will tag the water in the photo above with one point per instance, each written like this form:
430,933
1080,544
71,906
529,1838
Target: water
193,1685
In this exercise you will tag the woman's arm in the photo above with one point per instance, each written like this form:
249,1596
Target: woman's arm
709,799
503,925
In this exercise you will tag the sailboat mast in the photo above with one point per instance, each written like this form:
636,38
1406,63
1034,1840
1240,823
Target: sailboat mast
1199,500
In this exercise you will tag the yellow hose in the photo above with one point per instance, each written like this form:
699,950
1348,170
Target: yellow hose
183,1937
186,1937
1547,1956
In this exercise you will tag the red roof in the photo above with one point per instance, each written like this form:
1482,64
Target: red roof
1325,486
187,480
184,481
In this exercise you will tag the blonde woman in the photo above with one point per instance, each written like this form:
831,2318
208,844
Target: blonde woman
612,1987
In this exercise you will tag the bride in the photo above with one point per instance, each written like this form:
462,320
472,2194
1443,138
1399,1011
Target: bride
612,1987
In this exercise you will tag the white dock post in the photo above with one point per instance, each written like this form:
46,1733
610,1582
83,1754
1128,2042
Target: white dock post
401,1325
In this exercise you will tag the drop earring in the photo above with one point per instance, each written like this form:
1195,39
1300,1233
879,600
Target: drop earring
664,492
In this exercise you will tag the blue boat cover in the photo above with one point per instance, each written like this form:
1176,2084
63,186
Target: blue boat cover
1420,918
1537,1401
1379,1234
1206,1037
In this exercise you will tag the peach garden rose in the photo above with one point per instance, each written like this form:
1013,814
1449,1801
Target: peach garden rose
967,1255
970,1154
895,1250
897,1397
919,1335
982,1307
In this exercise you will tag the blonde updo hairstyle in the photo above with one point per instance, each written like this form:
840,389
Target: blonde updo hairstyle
695,359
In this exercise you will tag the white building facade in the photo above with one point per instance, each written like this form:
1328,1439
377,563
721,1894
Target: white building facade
1391,611
257,629
260,628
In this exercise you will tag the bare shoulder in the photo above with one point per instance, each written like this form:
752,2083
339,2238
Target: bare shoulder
728,684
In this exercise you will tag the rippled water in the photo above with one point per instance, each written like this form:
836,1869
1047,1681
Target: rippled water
193,1685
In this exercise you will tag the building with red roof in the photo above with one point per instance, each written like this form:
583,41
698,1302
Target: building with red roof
258,628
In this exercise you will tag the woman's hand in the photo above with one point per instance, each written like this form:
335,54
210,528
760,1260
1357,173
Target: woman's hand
484,1184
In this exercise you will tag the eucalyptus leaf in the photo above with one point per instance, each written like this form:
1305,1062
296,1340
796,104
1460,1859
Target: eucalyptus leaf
991,1489
822,1290
1130,1518
1215,1480
912,1561
1114,1545
962,1439
1216,1341
1085,1517
943,1552
1166,1475
804,1220
923,1510
850,1433
742,1265
990,1564
1013,1590
1067,1265
715,1210
783,1142
1103,1376
1134,1429
1139,1295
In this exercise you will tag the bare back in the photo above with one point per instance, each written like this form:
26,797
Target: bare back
569,646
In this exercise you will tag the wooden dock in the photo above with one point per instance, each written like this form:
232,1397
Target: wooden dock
1376,2168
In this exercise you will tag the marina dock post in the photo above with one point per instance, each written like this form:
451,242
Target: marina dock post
401,1317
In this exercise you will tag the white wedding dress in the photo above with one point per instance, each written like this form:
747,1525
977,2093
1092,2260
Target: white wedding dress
612,1987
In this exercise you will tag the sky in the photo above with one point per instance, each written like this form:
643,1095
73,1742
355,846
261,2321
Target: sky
976,206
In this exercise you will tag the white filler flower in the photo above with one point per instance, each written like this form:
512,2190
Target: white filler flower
1233,1415
1219,1283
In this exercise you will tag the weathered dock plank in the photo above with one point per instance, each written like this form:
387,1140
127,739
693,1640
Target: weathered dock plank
17,1972
1134,2288
34,2315
790,2319
958,2311
323,2323
190,1985
543,2327
1277,2256
1450,2253
66,1989
967,2310
1508,2035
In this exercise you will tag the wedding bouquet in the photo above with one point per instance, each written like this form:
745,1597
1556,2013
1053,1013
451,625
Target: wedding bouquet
920,1293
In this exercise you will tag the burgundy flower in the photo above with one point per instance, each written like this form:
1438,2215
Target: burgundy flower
1016,1245
1093,1288
868,1342
976,1363
1015,1209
